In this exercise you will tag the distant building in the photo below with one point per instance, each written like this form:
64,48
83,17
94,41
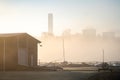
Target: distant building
67,32
17,49
50,23
89,33
108,35
50,27
46,35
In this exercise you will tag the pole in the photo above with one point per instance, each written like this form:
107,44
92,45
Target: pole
4,58
63,50
39,62
27,44
103,55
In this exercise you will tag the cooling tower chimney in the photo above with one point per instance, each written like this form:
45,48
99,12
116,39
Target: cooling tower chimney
50,23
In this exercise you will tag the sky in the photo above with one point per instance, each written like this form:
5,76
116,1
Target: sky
31,16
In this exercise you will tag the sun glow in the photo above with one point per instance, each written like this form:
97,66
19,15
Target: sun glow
31,16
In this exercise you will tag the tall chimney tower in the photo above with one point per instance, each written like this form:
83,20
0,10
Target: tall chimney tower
50,23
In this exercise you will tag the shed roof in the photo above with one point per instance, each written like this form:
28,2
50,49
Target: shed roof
18,34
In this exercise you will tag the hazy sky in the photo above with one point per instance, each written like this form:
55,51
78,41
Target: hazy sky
31,15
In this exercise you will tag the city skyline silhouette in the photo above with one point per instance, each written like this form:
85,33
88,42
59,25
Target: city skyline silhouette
74,19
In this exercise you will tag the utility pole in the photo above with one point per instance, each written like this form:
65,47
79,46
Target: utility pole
4,57
63,49
39,62
103,56
39,59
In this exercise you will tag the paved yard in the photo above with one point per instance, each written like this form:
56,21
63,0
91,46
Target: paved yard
31,75
105,76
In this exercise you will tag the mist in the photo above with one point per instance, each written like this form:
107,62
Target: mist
80,47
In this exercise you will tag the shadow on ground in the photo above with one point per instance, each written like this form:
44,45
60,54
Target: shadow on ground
105,76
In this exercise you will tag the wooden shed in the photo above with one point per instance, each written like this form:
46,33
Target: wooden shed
17,49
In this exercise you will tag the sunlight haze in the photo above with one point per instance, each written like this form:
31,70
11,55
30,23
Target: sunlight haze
31,16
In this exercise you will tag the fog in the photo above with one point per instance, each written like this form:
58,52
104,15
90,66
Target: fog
80,47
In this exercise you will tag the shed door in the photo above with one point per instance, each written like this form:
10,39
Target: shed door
22,56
